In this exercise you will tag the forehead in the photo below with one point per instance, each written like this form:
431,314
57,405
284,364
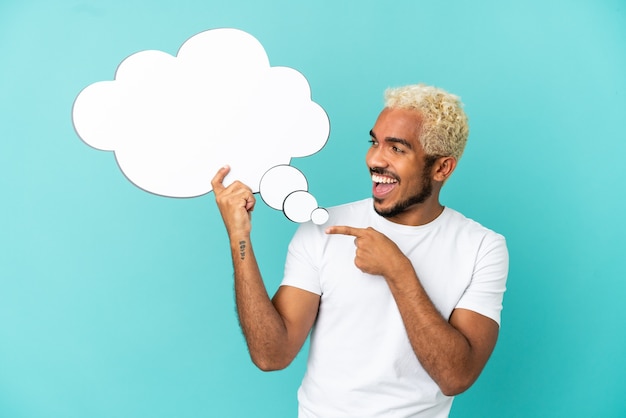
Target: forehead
398,123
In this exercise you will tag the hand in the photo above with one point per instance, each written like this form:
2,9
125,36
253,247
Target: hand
235,202
375,253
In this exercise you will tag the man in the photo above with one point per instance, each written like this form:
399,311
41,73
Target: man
405,294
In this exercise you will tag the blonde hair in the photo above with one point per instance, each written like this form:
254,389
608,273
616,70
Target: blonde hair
444,129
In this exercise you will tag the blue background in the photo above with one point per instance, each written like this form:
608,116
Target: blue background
118,303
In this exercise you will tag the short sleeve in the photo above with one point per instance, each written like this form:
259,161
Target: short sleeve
302,264
486,289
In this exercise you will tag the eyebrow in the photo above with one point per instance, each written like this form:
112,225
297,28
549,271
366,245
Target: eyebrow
394,140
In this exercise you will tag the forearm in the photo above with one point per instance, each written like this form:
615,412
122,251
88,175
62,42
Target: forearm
453,351
262,325
443,351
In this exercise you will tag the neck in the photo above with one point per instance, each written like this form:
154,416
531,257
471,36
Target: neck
420,214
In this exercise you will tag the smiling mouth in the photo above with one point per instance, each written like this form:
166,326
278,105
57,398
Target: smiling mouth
382,185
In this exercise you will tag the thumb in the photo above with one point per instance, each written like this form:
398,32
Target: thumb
218,179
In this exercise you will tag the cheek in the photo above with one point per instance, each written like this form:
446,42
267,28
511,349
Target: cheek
411,173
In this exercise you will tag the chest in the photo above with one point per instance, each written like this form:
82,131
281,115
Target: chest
443,266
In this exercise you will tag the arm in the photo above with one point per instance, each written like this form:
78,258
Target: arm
453,352
274,330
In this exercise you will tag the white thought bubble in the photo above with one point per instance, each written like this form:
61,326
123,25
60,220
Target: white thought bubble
172,122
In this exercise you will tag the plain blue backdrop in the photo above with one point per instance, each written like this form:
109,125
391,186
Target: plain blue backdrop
118,303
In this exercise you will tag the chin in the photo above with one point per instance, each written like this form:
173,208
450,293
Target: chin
388,211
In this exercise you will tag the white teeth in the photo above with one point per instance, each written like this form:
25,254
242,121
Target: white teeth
382,179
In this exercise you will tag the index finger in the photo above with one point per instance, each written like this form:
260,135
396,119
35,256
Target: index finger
344,230
217,181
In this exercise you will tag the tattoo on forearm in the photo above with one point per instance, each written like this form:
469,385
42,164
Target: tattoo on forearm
242,249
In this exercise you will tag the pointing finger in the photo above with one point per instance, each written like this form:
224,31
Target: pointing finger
217,181
344,230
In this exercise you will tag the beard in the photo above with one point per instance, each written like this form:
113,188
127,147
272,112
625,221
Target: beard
419,197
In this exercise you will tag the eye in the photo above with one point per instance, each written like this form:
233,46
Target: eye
373,142
397,150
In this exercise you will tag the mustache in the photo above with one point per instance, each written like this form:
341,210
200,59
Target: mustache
383,172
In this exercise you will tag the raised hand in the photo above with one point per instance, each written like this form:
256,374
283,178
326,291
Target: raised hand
235,202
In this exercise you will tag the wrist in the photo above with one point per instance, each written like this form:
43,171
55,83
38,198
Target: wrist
400,272
240,246
237,234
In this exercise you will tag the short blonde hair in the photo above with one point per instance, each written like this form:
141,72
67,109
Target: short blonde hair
444,128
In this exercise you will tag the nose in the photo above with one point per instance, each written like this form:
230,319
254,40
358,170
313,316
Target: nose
375,158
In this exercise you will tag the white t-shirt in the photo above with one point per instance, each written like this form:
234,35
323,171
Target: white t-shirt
361,363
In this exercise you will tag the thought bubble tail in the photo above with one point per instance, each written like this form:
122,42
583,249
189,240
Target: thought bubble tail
319,216
285,188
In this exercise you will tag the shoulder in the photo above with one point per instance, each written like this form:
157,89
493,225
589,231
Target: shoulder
469,228
354,214
359,208
310,241
475,238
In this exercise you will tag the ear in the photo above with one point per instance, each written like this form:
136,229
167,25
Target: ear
443,168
